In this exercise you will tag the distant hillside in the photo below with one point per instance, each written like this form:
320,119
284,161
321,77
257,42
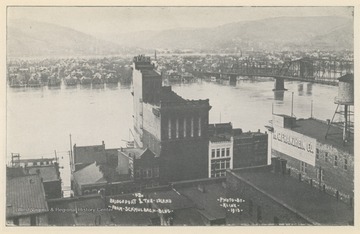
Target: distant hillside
282,31
31,38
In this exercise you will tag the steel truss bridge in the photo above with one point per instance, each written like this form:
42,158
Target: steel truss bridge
324,71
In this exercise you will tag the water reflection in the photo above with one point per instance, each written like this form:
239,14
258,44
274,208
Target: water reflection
300,89
279,95
309,89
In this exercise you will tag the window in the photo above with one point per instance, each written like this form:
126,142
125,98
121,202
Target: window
137,174
177,128
192,127
317,153
223,152
222,165
144,174
156,172
320,174
227,164
149,173
335,160
303,167
16,221
326,157
33,220
213,153
345,164
217,153
184,127
199,128
169,128
227,151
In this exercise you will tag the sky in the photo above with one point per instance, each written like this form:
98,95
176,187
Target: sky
104,20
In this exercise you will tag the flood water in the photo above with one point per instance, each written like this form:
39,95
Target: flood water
40,120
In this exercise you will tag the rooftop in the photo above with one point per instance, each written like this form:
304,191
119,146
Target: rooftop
78,211
137,153
25,195
169,97
206,198
90,174
47,173
129,218
315,206
150,73
89,154
317,129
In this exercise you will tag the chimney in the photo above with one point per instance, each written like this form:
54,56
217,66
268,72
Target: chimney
103,143
328,121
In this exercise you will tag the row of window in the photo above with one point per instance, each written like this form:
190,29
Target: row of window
38,163
220,152
185,124
336,159
220,165
218,174
147,173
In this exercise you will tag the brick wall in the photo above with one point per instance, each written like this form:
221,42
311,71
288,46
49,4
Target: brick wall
336,178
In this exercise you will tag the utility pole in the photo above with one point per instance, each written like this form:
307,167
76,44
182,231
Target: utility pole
56,158
292,104
71,155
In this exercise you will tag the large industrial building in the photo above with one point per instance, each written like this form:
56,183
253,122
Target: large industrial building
173,128
317,152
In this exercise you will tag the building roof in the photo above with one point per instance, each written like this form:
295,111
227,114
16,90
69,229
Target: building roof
315,206
89,154
178,201
317,129
347,78
47,173
36,160
25,195
206,200
150,73
137,153
80,211
129,218
90,174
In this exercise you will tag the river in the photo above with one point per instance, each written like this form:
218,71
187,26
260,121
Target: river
40,120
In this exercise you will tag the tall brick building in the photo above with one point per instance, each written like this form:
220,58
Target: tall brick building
175,129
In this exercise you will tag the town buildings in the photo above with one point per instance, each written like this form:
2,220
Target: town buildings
46,168
173,128
327,164
317,152
231,148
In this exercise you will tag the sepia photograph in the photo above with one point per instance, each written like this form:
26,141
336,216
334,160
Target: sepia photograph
179,115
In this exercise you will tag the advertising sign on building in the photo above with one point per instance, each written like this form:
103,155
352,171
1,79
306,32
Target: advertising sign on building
294,145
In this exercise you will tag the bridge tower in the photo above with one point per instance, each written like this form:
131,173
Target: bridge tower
343,112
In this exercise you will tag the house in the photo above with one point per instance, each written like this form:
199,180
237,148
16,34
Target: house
88,180
25,201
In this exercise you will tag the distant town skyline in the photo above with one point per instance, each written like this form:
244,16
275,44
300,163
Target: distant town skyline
104,20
